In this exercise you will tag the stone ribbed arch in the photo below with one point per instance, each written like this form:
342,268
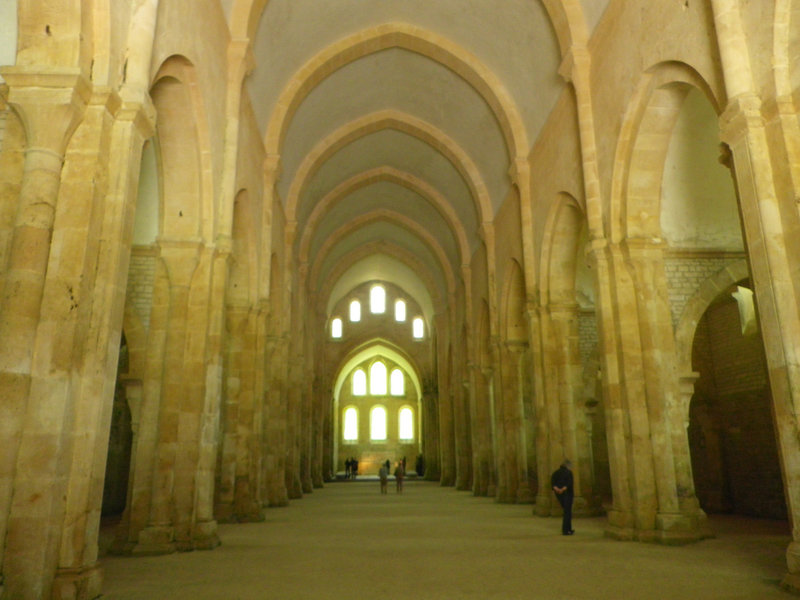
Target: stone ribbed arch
192,126
399,121
398,253
569,23
560,250
642,148
391,175
393,217
566,16
694,310
414,39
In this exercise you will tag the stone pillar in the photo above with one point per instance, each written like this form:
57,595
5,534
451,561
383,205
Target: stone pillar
447,441
180,261
514,422
679,518
622,520
770,220
544,496
275,422
574,439
430,433
39,406
770,227
461,415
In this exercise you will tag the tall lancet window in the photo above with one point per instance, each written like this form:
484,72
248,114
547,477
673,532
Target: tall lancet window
418,328
336,328
397,384
377,423
350,429
377,300
359,383
400,311
377,379
355,311
406,424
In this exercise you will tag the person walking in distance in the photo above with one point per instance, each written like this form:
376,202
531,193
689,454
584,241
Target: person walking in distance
383,475
562,483
399,473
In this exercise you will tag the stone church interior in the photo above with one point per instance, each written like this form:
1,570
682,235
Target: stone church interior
246,244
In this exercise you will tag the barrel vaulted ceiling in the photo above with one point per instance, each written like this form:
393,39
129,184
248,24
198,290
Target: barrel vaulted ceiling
396,124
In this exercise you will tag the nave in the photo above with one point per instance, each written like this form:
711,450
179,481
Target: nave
348,541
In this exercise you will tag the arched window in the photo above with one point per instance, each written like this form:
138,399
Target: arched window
377,300
377,423
406,424
400,311
336,328
355,311
359,383
397,383
418,328
377,379
350,429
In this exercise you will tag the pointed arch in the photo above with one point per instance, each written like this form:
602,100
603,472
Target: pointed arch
388,216
187,199
560,250
649,119
391,175
414,39
402,122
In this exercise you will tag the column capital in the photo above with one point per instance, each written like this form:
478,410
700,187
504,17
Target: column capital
50,104
742,114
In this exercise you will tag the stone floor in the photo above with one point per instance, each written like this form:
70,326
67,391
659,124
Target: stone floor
431,543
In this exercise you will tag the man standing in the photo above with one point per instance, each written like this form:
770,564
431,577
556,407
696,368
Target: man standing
561,481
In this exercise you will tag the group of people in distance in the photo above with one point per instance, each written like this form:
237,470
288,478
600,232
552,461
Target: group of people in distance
399,475
350,468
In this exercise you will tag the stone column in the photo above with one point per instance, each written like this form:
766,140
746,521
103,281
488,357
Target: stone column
461,415
770,227
445,397
430,439
514,423
275,422
621,516
574,439
180,261
484,468
544,496
673,524
36,416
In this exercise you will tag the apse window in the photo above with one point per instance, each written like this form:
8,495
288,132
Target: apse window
355,311
418,328
377,423
359,383
377,379
336,328
350,429
377,300
406,424
397,384
400,311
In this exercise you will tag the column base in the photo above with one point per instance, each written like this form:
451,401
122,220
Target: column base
205,536
541,506
524,495
77,584
672,529
790,582
155,540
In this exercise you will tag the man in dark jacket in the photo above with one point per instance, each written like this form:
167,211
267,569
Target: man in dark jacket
561,481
